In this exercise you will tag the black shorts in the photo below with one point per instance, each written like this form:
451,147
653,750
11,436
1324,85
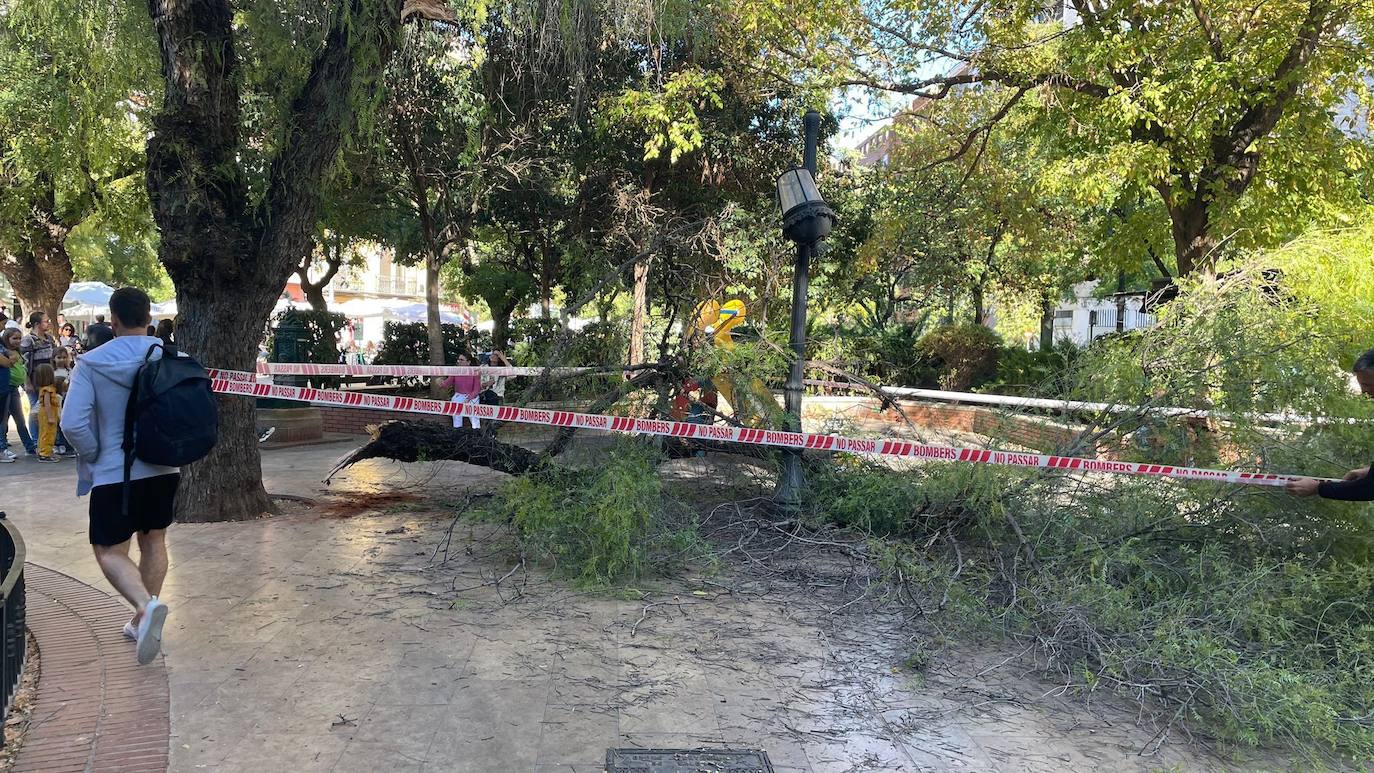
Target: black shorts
152,503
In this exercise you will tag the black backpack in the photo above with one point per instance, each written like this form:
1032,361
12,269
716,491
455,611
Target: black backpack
171,418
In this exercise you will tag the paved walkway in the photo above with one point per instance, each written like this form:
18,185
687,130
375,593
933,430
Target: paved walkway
96,708
320,643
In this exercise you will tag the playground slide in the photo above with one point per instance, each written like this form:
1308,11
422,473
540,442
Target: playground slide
754,402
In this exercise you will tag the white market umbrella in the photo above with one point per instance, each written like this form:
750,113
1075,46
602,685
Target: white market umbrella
85,311
88,293
165,309
418,312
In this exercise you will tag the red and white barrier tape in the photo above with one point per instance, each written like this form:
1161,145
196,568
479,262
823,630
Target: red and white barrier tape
238,383
311,369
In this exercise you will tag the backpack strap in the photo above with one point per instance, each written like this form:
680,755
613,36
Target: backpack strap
130,416
130,419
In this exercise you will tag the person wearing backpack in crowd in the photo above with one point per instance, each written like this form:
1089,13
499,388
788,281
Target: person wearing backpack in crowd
94,420
49,408
12,377
37,348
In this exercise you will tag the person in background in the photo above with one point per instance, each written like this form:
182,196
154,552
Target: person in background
465,390
48,408
6,323
62,364
495,392
37,348
97,335
165,330
1358,485
61,321
370,353
12,377
66,336
100,323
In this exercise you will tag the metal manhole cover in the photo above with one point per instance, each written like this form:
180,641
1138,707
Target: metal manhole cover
686,761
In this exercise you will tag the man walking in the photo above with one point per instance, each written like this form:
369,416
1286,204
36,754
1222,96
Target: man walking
93,422
1358,485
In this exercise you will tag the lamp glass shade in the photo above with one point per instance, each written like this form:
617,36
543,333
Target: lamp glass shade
796,187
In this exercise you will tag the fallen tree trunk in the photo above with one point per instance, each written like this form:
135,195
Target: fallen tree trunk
423,441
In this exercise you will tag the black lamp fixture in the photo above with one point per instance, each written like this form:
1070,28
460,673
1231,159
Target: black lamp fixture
806,219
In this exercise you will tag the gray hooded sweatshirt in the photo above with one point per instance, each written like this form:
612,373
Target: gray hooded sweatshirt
93,412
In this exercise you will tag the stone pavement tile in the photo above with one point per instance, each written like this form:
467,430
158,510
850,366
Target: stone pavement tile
361,757
416,685
331,707
263,752
784,749
863,753
407,730
573,736
495,659
492,725
598,767
1030,754
690,708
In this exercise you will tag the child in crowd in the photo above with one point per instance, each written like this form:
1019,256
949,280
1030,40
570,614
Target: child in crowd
12,377
62,363
465,390
49,409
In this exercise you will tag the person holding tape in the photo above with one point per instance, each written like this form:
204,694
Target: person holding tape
1358,485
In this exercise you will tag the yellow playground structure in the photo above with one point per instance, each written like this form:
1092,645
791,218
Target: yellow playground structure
713,321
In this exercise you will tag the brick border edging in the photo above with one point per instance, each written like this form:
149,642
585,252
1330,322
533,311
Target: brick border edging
96,708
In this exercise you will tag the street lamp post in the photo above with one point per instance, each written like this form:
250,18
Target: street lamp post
805,220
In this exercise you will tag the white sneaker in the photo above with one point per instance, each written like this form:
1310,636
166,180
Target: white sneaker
150,631
7,457
130,632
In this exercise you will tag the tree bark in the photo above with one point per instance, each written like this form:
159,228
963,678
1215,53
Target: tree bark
639,311
1194,244
435,321
500,326
42,275
979,313
314,290
229,257
41,278
1046,322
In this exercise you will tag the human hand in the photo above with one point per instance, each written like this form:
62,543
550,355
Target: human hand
1356,474
1303,487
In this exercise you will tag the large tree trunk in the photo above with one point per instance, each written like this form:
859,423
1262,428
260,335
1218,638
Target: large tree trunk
230,251
500,326
639,311
434,320
1194,244
41,278
227,484
1046,322
980,314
